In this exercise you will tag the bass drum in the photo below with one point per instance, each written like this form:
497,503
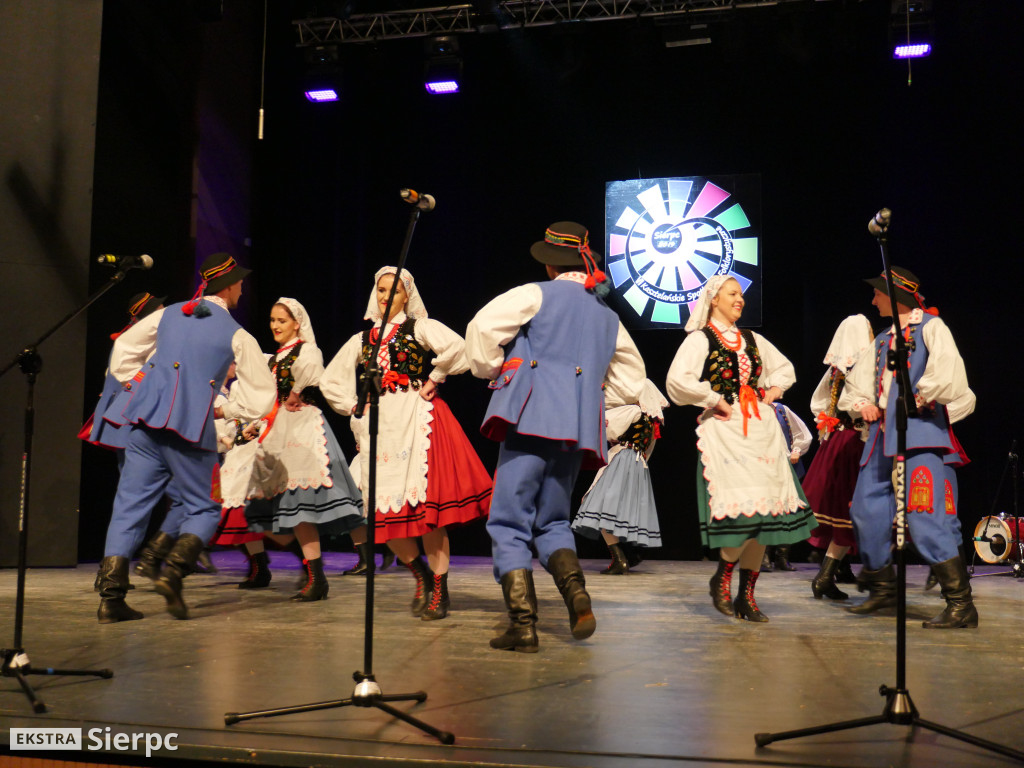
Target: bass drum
997,539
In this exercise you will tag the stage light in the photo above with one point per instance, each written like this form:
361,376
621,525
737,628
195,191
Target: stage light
911,28
321,81
443,70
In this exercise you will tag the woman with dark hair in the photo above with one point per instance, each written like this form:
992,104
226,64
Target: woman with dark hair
748,495
428,475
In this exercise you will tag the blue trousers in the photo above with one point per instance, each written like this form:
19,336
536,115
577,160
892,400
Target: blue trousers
873,509
175,513
531,502
158,461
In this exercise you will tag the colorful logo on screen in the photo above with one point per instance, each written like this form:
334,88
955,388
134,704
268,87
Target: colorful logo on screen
666,237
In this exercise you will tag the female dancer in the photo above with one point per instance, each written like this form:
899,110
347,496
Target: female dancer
833,473
619,506
748,496
298,480
428,475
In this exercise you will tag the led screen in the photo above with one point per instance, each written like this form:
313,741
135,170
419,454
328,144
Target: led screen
665,237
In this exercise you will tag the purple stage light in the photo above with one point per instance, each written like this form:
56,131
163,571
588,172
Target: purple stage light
442,86
320,95
914,51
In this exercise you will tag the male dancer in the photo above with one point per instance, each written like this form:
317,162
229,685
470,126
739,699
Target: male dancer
567,353
173,364
938,378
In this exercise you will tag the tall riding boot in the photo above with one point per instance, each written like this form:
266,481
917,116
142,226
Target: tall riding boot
956,589
824,583
881,586
259,571
564,567
521,601
152,555
439,603
933,577
619,563
781,559
179,563
721,587
744,606
205,563
113,581
365,555
424,579
316,586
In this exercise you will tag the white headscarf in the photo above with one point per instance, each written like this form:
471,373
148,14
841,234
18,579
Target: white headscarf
701,314
414,308
852,337
301,317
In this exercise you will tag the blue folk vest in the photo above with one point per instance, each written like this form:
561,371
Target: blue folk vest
184,375
551,383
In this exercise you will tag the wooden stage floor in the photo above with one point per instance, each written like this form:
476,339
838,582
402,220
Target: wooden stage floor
665,681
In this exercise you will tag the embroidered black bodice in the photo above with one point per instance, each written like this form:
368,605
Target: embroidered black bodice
639,435
722,366
406,356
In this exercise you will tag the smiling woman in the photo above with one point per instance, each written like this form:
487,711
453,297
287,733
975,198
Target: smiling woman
748,495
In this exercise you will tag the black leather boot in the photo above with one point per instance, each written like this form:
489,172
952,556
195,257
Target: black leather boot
439,603
152,555
720,587
387,557
365,555
619,564
205,562
781,559
113,584
316,586
179,563
881,586
768,560
956,589
259,571
424,579
744,606
933,577
844,574
564,566
521,601
824,583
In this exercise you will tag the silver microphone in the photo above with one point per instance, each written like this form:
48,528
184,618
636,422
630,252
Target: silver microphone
423,202
124,263
880,222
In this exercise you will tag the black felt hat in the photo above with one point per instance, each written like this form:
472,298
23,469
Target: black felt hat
906,284
220,270
565,244
143,304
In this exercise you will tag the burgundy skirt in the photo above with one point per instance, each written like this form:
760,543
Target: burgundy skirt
829,485
458,486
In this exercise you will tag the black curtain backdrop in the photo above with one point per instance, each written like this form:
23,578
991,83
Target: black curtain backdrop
805,95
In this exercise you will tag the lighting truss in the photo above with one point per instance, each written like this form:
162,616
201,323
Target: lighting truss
508,14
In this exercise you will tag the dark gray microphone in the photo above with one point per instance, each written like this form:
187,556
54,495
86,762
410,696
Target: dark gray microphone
124,263
880,222
423,202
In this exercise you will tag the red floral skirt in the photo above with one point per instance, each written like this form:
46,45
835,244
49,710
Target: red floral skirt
829,485
458,486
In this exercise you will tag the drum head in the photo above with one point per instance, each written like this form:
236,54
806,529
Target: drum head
994,539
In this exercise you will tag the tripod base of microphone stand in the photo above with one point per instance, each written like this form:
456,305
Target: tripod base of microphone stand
898,710
366,694
16,664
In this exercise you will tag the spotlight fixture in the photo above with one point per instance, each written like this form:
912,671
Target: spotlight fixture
443,69
322,80
696,34
911,27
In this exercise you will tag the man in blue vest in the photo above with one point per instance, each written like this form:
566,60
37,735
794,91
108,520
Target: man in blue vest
938,378
173,363
553,353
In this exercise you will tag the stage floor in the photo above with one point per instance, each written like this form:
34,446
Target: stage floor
665,681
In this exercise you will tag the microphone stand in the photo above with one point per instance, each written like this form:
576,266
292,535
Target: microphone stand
368,692
15,661
899,709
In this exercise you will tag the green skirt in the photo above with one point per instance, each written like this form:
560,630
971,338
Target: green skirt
769,530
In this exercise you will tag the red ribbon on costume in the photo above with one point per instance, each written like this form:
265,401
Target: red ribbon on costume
393,380
269,418
748,398
826,423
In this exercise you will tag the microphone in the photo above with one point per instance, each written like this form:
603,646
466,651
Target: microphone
880,222
124,263
423,202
